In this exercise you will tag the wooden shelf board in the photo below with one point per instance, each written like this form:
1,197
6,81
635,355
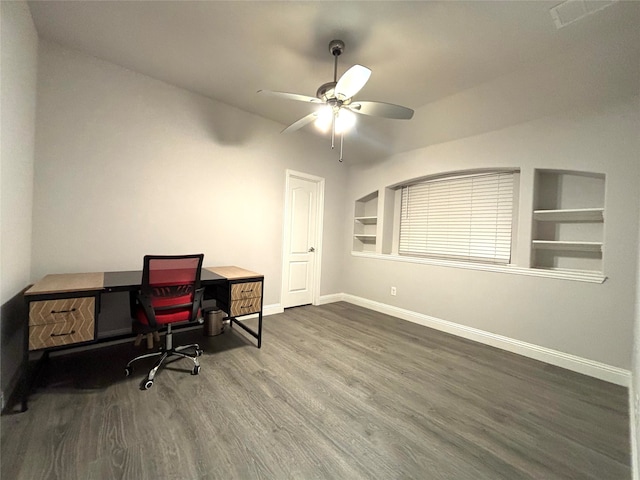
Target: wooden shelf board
568,245
367,220
570,215
365,238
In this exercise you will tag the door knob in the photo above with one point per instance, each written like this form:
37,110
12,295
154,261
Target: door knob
311,249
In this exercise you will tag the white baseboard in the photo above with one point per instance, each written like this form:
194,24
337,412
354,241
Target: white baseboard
272,309
618,376
336,297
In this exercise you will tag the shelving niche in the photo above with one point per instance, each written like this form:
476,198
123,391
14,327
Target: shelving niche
365,223
568,221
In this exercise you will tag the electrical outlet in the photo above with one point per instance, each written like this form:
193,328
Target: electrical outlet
393,291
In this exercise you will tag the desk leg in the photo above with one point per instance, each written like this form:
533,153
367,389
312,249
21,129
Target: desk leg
257,335
24,379
24,387
29,379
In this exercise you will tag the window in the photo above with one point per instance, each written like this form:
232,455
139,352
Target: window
464,217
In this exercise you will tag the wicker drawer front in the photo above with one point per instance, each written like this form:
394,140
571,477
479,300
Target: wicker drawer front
62,310
57,334
245,306
246,290
61,322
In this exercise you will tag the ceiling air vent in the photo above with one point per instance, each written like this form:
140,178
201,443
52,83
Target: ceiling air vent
573,10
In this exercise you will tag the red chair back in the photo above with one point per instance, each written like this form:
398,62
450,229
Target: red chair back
170,290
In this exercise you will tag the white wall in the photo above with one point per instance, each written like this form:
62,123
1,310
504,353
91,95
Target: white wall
590,321
19,66
18,62
128,165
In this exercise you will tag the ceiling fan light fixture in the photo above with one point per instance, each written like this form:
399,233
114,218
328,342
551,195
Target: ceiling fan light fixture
325,118
337,115
345,120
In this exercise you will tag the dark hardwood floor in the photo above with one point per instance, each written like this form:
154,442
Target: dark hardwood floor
336,392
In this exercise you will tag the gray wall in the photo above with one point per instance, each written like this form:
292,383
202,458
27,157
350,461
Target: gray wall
128,165
18,80
591,321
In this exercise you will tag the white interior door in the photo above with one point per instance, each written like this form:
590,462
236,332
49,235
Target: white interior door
302,236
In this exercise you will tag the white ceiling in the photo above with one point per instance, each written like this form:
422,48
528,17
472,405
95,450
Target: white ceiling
464,67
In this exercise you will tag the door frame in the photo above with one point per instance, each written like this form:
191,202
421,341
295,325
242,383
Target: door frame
286,234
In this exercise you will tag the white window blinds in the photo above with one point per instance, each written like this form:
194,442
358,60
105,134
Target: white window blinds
463,217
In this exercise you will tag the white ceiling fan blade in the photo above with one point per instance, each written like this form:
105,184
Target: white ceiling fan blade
381,109
291,96
300,123
352,81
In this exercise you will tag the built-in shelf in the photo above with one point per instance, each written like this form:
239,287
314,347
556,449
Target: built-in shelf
573,246
367,220
365,235
570,215
365,223
568,221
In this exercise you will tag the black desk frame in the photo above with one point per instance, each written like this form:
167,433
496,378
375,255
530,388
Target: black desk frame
124,281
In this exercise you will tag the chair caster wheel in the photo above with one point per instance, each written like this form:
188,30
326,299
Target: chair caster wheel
196,370
199,353
128,371
148,384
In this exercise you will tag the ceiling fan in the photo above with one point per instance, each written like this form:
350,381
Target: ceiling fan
336,104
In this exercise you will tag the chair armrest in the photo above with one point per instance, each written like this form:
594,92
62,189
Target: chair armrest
145,303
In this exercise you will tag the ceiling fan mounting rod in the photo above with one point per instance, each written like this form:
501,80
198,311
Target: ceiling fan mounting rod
336,47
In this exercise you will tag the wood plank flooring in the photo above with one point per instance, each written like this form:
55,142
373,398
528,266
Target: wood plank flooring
336,392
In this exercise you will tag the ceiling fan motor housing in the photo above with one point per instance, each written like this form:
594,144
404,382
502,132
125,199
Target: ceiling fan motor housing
326,91
338,97
336,47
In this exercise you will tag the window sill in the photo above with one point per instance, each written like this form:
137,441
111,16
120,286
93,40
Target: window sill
578,276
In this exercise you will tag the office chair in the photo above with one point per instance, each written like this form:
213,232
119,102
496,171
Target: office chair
170,293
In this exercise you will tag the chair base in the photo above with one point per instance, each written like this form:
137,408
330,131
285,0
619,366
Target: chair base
165,353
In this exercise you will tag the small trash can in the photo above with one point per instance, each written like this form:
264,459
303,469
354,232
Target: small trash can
213,322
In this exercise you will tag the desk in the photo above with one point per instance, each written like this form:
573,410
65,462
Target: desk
64,309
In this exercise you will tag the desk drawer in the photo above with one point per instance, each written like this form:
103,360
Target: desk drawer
62,310
61,322
245,306
61,333
246,290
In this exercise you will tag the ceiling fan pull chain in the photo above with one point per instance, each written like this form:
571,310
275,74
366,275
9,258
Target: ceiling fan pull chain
333,131
341,145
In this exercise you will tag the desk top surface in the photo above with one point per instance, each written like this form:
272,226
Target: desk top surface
68,282
131,280
122,281
232,273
